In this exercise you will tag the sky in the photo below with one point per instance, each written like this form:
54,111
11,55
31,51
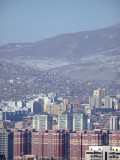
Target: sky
33,20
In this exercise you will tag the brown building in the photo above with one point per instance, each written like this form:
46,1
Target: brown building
22,142
50,144
114,138
57,144
81,140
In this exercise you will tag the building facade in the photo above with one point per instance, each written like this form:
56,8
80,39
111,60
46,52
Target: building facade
114,138
79,122
4,143
65,121
81,140
22,142
42,121
114,123
102,153
57,144
50,144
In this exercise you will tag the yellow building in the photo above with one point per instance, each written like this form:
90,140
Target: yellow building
1,124
56,109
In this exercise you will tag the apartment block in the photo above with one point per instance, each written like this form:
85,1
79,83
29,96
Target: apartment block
50,144
79,122
65,121
81,140
113,123
4,143
42,121
22,142
114,138
101,93
102,153
55,109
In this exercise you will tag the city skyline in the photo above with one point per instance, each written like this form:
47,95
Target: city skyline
59,79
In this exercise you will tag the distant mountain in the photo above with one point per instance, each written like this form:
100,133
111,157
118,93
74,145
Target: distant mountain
94,49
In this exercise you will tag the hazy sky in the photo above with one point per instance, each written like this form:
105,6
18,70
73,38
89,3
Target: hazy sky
32,20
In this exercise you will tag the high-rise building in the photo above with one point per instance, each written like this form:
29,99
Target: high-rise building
79,122
89,124
98,102
114,138
4,143
37,107
50,144
101,93
29,105
81,140
95,102
113,123
53,97
65,121
63,144
0,114
10,144
108,102
22,142
55,109
41,102
2,157
97,99
92,101
102,153
42,121
1,124
47,102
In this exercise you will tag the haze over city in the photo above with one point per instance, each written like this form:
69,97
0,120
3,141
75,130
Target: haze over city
59,79
29,20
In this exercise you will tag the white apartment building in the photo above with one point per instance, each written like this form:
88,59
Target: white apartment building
42,122
79,122
113,123
65,121
102,153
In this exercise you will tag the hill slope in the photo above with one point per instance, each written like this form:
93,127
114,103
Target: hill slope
87,54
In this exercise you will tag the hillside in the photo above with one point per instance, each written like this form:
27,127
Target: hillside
85,55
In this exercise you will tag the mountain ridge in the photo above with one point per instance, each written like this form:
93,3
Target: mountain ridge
83,54
67,43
